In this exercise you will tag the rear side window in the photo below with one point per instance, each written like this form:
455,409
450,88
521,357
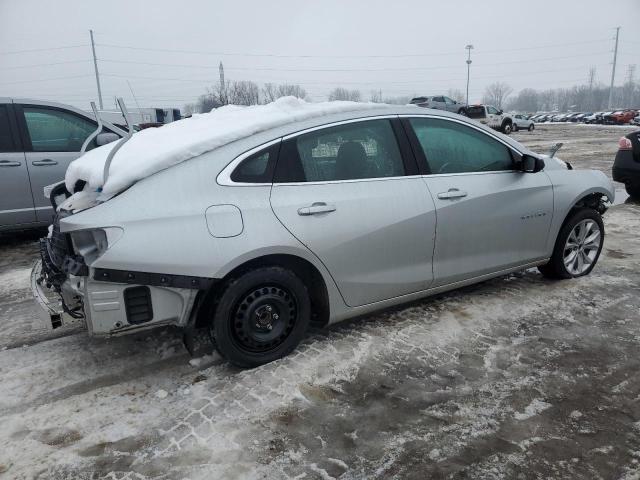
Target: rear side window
6,137
53,130
257,168
451,147
352,151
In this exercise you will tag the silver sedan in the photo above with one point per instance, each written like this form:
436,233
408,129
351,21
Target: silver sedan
317,221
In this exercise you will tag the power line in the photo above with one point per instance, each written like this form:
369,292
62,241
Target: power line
277,55
45,64
45,79
42,49
386,69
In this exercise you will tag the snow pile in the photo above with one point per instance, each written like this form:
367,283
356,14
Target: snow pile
155,149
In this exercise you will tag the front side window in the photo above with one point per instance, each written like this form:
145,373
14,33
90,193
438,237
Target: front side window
438,99
451,147
53,130
352,151
492,110
449,100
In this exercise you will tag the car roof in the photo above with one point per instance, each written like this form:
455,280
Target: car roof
255,140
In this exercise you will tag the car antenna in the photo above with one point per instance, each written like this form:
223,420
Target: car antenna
555,149
125,139
95,132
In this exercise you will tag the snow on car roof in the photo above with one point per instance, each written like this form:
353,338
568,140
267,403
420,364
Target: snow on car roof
152,150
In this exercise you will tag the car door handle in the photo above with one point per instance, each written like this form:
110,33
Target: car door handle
9,163
316,208
452,193
47,162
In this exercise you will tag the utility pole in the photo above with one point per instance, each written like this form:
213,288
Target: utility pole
613,70
95,66
469,48
223,87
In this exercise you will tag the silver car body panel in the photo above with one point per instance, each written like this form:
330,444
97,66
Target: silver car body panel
388,241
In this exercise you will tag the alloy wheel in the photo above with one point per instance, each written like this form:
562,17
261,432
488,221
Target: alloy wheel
581,247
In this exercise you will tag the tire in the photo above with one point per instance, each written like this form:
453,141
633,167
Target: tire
462,111
515,127
531,127
260,316
633,189
506,128
560,265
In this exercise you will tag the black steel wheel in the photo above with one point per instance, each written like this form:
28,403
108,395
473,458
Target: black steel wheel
260,316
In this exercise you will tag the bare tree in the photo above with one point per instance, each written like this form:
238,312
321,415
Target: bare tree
189,109
376,96
497,93
525,101
271,91
243,92
207,102
344,94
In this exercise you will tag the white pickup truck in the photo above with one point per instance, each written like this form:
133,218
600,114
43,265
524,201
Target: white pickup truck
492,117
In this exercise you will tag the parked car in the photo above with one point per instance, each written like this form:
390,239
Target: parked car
636,120
521,122
491,116
542,118
38,140
316,220
620,117
580,118
440,102
626,167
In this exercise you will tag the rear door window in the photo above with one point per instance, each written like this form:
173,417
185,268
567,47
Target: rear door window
352,151
53,130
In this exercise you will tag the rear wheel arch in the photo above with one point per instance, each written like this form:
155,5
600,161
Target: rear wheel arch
302,268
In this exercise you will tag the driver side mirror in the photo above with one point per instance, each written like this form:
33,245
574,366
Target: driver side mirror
531,164
499,112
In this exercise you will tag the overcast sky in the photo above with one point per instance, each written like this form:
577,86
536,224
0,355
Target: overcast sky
169,51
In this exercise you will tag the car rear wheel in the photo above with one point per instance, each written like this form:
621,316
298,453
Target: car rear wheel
531,128
577,247
261,316
462,111
515,127
633,189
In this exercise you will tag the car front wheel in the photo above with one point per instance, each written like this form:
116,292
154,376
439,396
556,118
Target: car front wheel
577,247
260,316
506,128
531,127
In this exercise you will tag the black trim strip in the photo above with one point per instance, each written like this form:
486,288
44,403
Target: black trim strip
152,279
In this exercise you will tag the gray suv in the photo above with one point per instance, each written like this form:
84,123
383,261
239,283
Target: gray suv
38,140
440,102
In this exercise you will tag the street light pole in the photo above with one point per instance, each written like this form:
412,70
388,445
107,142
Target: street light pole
469,48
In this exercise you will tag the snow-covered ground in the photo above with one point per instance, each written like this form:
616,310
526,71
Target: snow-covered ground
517,377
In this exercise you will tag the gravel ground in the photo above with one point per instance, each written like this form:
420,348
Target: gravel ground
517,377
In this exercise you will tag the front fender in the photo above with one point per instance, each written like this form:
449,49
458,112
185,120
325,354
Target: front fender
569,187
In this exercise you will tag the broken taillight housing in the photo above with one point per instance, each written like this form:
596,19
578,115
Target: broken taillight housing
624,144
